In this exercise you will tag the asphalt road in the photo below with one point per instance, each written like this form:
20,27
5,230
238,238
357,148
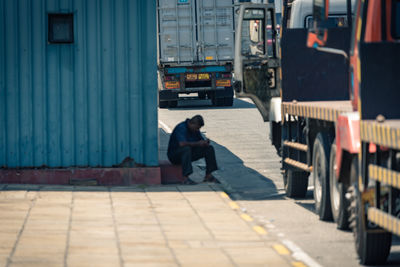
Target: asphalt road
250,171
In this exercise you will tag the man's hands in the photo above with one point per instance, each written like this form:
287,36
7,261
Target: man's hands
204,142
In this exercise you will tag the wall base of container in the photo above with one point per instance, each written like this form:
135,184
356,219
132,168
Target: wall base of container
170,174
83,176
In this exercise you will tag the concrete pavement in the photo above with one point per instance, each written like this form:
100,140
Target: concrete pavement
131,226
174,225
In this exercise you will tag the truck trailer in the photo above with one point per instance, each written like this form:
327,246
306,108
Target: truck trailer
374,178
314,94
340,116
311,101
195,50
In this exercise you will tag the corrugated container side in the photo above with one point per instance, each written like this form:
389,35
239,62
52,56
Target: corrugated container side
196,31
90,103
216,30
177,30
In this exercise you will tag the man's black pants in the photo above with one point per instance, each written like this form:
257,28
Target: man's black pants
185,155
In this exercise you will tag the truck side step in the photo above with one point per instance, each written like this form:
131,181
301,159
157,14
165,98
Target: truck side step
298,164
298,146
384,220
384,175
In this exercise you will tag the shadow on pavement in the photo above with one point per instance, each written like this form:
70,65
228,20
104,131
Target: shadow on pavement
239,181
196,104
307,206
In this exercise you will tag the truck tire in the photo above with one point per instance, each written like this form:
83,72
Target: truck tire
277,136
173,104
339,203
295,183
163,104
217,101
372,248
321,151
202,95
228,101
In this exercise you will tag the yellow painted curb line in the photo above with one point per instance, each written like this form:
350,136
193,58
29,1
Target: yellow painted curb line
281,249
298,264
224,195
246,217
259,230
234,205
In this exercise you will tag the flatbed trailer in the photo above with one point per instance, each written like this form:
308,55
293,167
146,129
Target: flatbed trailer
374,177
376,190
385,133
311,100
306,115
340,113
319,110
314,94
309,147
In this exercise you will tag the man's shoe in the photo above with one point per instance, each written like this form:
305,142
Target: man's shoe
189,182
211,179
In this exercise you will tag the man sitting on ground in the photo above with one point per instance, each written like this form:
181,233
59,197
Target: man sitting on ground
186,144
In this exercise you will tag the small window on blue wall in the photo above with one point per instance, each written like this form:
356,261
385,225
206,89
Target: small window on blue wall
61,28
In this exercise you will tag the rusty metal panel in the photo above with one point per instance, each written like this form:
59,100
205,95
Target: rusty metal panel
90,103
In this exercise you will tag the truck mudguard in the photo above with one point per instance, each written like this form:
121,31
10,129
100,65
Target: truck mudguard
347,137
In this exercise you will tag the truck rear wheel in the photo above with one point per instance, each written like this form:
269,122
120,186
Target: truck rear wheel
321,151
202,95
173,104
339,203
163,104
228,101
295,183
276,131
218,101
372,248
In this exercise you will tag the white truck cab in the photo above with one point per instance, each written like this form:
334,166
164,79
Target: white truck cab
301,14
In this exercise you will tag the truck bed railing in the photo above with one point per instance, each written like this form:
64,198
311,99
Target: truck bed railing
384,220
384,175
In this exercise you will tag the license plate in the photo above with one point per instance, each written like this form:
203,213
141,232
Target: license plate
191,77
172,85
223,83
204,76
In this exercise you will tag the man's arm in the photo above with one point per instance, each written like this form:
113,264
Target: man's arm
195,143
181,133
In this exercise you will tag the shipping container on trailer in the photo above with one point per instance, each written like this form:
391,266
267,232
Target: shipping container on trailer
195,50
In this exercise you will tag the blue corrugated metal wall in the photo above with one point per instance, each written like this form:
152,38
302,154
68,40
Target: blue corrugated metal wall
91,103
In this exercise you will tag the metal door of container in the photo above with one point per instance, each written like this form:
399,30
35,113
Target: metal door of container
215,26
177,32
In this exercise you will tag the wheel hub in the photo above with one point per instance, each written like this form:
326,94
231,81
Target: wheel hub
335,189
318,180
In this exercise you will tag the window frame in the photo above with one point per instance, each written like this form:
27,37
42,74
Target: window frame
51,21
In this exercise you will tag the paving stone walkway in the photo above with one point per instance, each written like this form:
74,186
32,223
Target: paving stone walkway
130,226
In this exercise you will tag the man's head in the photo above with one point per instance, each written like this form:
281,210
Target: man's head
196,123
